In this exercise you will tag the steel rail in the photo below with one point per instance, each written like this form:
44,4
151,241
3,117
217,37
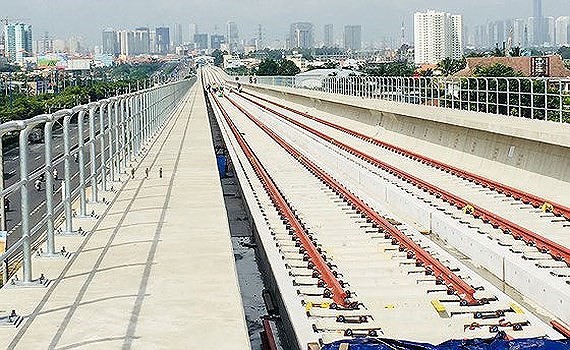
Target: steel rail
558,251
443,274
339,295
525,197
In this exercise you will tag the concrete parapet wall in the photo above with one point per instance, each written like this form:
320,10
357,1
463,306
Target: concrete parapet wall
528,154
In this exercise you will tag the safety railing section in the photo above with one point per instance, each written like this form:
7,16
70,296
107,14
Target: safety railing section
534,98
98,140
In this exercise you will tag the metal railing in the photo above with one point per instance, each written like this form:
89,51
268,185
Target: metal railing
110,133
534,98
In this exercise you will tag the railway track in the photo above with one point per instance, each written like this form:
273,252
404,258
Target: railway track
379,275
547,261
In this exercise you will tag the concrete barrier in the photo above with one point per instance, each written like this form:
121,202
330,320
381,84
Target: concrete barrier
528,154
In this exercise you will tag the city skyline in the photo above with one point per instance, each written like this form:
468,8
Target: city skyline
379,19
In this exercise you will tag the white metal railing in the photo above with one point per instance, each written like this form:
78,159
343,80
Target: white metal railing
535,98
110,133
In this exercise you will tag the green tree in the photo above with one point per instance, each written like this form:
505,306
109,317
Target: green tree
564,51
397,69
451,66
218,57
287,67
268,67
496,70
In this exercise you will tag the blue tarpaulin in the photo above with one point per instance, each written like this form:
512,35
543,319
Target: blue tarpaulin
222,165
497,343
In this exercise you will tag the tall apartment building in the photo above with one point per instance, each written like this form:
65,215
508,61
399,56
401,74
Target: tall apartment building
562,30
550,30
201,41
162,40
328,36
538,24
178,37
353,37
216,41
437,35
110,42
141,41
18,41
301,35
126,41
232,37
519,33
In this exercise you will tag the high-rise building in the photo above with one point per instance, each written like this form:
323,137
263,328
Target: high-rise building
519,26
437,35
216,41
562,29
126,40
538,24
192,29
162,40
301,35
74,45
480,36
550,30
329,36
232,36
110,42
530,30
201,41
141,41
353,37
18,41
178,36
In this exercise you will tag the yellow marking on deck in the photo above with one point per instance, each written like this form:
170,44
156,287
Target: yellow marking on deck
437,305
516,308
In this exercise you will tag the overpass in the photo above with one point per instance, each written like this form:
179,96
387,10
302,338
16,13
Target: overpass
372,219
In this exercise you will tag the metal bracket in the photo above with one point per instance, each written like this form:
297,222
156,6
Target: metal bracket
41,282
11,320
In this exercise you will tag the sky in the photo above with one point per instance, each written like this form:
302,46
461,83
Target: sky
379,18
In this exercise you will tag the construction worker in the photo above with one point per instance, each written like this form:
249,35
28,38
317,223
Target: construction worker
146,173
38,185
160,172
55,174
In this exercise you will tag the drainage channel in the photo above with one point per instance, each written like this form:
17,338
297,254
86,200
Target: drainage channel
257,302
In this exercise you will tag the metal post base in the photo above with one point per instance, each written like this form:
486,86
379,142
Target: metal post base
79,232
11,320
61,255
41,282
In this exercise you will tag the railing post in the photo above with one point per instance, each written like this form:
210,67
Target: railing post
545,99
25,205
109,130
117,153
67,174
81,162
102,145
124,151
508,87
48,174
531,99
92,151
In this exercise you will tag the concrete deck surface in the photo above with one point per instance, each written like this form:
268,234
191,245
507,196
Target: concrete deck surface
157,271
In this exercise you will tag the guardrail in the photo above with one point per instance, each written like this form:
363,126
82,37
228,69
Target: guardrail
534,98
117,129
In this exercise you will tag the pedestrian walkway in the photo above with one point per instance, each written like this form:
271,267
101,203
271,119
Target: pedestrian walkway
157,271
